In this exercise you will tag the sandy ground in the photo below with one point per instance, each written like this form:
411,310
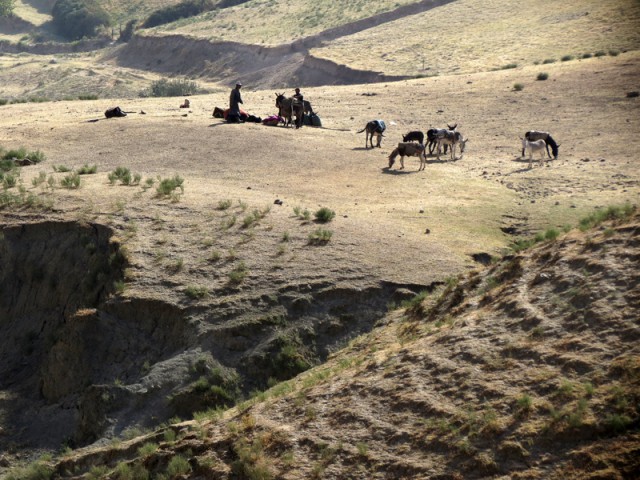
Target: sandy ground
382,215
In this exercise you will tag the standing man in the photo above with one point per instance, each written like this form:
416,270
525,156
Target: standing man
235,99
298,95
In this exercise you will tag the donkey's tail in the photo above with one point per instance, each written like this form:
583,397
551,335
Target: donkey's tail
392,157
360,131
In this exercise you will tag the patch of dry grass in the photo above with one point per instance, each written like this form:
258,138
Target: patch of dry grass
268,22
478,35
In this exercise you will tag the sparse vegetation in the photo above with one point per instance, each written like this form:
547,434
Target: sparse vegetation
609,213
566,58
324,215
70,181
87,170
6,8
171,13
173,88
75,19
224,204
178,466
320,236
238,274
518,87
195,292
124,176
168,187
542,76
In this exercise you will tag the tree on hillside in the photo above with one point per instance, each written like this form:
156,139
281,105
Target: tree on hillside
6,8
75,19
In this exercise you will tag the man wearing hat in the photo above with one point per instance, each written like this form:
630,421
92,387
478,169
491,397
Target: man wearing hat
235,99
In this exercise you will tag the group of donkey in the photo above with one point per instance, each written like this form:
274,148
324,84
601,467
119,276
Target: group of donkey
441,139
437,138
292,109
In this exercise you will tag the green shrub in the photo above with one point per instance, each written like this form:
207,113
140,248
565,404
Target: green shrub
238,274
224,204
88,97
178,465
324,215
75,19
617,423
587,55
3,101
549,60
524,403
600,53
509,66
518,87
173,88
195,292
184,9
127,33
610,213
320,236
542,76
38,470
9,180
168,186
125,177
614,53
71,181
566,58
87,170
18,154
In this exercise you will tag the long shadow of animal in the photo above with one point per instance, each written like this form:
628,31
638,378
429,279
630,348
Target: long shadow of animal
290,108
374,127
533,135
432,137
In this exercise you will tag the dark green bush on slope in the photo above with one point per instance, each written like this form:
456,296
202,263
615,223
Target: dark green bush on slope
75,19
184,9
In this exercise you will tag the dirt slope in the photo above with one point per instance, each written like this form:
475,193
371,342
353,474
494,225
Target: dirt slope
528,369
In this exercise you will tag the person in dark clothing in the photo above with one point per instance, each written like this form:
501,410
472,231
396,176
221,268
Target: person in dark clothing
235,99
298,95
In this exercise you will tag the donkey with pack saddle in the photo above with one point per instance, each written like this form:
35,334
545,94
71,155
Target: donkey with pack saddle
288,108
374,127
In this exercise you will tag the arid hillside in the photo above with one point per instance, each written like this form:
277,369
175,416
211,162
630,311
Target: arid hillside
183,297
213,290
527,369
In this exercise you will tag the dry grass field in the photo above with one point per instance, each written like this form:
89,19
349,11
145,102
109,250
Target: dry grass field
472,35
267,22
464,203
526,369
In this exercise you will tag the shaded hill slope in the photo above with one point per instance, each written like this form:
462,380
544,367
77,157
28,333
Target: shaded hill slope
528,369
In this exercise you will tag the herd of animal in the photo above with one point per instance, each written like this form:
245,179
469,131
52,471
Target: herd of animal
441,139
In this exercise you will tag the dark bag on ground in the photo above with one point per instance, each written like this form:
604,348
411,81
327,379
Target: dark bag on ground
311,119
114,112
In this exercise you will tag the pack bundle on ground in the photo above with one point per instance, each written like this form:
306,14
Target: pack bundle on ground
272,120
114,112
311,119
